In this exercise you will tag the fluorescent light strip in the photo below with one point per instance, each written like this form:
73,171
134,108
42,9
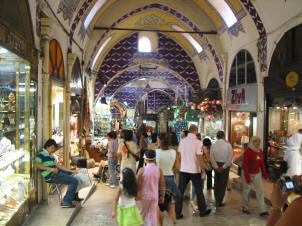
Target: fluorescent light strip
93,11
225,11
100,50
193,42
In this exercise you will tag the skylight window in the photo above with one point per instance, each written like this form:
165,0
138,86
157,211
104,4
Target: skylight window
100,50
93,11
189,38
225,11
144,44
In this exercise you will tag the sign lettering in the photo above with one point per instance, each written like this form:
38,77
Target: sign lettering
13,42
238,97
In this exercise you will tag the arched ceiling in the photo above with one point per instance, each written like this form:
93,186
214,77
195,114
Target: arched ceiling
115,61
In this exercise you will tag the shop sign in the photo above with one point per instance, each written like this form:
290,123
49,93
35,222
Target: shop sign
11,40
242,98
292,79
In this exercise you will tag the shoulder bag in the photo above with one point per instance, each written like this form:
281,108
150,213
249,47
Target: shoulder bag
130,152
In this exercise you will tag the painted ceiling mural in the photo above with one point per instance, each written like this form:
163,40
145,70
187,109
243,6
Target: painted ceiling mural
123,55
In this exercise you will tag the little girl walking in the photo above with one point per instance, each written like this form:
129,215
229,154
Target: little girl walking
124,202
148,179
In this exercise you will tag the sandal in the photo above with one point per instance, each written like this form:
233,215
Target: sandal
245,210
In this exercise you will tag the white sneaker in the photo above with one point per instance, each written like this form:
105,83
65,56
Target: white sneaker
113,186
107,184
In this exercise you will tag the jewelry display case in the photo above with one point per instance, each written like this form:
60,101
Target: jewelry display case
17,137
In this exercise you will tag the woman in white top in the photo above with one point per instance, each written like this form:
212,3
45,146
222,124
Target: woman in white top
293,155
167,161
126,151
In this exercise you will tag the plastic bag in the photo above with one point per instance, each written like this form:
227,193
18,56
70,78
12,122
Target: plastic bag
83,178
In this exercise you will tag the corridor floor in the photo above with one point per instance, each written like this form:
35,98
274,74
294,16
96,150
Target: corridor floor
97,211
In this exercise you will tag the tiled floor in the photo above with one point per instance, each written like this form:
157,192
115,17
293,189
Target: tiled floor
97,211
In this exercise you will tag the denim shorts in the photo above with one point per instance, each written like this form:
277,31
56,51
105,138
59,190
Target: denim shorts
171,186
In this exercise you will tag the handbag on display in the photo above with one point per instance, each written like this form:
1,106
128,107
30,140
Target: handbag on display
130,152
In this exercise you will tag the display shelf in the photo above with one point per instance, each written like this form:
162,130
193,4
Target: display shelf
10,157
7,112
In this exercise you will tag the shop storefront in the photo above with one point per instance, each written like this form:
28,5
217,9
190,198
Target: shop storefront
18,144
241,103
56,73
283,109
210,110
102,118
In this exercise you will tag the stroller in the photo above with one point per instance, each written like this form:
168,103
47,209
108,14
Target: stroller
105,173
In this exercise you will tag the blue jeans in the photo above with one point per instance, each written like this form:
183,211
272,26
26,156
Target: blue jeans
193,188
111,166
63,177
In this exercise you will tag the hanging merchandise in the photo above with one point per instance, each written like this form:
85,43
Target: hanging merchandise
209,108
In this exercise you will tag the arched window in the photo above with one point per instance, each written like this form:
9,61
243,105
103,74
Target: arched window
144,44
56,64
193,42
225,11
243,70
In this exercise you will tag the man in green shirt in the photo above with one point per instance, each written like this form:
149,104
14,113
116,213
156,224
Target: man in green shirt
54,173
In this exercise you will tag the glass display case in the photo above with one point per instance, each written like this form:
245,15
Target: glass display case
102,118
17,139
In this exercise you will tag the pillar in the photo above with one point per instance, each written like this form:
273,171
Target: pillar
46,24
46,102
224,58
70,60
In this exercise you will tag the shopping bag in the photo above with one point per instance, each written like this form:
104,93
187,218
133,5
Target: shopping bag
84,179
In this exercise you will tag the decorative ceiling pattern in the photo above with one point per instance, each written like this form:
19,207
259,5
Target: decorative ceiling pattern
121,56
67,7
262,43
174,13
157,98
176,83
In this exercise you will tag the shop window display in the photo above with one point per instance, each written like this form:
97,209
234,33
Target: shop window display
240,131
17,122
283,122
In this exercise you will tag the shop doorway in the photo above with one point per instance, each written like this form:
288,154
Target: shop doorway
57,117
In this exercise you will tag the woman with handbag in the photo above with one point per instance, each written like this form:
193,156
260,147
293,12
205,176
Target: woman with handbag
127,152
168,161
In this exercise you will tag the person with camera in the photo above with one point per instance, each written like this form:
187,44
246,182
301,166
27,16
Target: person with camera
252,165
279,216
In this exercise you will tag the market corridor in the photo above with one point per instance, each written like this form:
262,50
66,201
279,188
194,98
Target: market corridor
97,211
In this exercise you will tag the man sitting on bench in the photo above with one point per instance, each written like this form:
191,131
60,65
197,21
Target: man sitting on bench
54,173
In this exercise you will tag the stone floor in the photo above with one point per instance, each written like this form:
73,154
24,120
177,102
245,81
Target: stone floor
97,211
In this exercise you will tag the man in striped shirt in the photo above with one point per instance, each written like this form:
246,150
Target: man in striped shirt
54,173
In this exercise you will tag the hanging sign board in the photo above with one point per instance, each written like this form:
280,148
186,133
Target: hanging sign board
292,79
242,98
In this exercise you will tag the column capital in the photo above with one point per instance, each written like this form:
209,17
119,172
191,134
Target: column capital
71,58
46,27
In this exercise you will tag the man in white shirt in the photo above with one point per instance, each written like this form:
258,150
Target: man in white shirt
221,155
190,169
